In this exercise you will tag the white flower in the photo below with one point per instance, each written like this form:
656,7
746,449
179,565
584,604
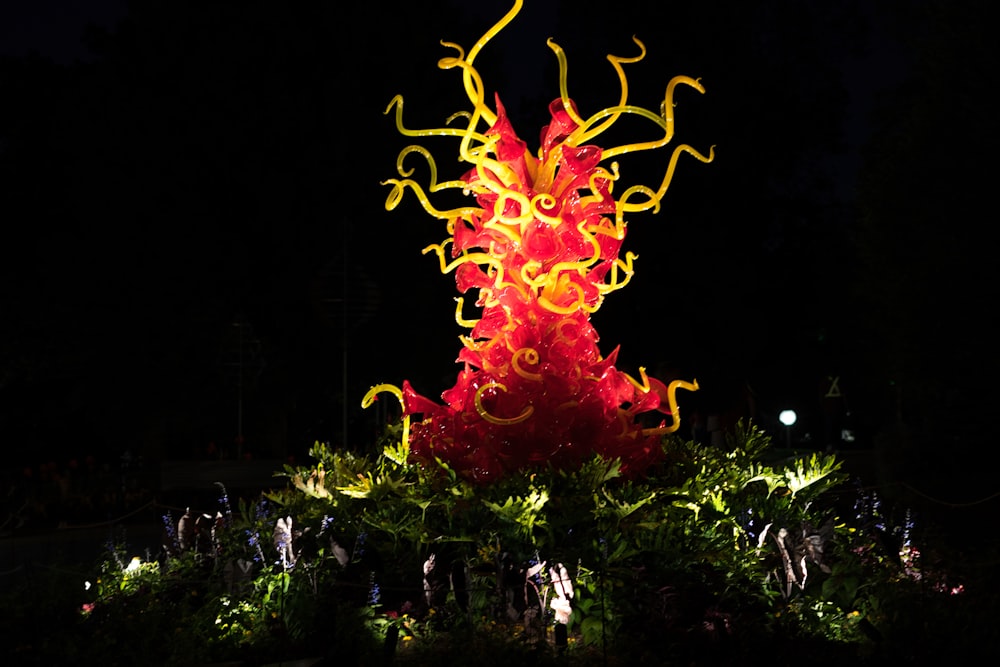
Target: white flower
563,587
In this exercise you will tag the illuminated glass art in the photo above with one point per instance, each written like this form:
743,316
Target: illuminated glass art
541,248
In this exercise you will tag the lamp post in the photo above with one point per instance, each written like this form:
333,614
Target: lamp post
788,418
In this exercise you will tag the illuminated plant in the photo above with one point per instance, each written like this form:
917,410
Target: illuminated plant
542,247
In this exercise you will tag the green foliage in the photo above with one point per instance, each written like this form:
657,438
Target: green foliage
704,526
714,544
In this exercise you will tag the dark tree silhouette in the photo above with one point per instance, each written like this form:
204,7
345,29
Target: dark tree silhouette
928,277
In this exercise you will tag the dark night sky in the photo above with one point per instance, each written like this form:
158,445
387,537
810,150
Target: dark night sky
189,165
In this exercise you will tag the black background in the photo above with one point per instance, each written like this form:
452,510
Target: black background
194,172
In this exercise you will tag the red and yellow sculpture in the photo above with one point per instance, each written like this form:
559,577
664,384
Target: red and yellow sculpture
541,248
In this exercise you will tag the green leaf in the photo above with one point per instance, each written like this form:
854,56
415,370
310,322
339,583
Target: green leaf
624,508
810,471
525,511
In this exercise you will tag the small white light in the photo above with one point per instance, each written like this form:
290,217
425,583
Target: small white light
787,417
86,585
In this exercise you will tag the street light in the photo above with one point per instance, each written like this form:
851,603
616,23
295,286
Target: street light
788,418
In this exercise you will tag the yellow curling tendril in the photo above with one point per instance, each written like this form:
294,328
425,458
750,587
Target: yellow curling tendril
654,197
396,195
433,185
606,228
459,114
488,115
563,87
595,246
623,205
523,203
480,258
626,269
500,225
581,135
675,412
596,197
548,201
397,102
530,356
369,399
500,170
530,276
462,322
669,176
560,333
479,106
547,301
644,387
500,421
665,120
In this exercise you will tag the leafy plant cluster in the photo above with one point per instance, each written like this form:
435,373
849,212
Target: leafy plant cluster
715,554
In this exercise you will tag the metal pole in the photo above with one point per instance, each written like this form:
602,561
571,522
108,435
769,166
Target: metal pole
239,396
343,318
